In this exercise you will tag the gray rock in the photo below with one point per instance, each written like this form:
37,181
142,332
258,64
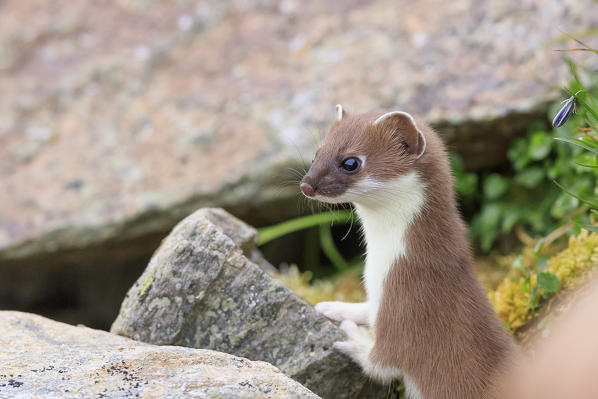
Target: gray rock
200,290
43,358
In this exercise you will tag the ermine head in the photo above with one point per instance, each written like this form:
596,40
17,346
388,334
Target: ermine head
362,153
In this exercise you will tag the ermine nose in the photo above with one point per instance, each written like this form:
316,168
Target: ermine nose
307,189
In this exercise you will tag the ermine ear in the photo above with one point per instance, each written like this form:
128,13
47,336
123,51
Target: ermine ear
340,112
399,121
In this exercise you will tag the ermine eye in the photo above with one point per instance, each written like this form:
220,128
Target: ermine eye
351,165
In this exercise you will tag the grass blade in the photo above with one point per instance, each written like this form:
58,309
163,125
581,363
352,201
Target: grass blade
591,110
587,165
585,201
573,70
589,227
570,36
578,49
267,234
327,244
577,143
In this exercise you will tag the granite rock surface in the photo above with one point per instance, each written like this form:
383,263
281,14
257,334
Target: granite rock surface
43,358
200,290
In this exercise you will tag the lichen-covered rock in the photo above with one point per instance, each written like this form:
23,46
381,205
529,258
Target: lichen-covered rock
42,358
200,290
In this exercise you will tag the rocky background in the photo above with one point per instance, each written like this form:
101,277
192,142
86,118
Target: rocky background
119,118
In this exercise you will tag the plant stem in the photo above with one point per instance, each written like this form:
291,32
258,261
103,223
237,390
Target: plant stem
267,234
327,244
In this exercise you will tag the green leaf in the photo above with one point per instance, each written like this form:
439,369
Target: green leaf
535,298
563,204
530,178
579,98
538,247
525,284
490,216
587,165
539,146
518,154
589,141
589,227
585,201
495,186
578,144
510,217
467,184
549,282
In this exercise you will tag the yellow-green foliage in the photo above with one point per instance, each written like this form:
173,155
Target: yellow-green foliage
346,288
512,299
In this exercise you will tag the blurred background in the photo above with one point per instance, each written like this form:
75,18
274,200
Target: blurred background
119,118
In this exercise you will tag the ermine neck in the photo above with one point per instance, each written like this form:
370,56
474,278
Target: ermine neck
385,218
387,214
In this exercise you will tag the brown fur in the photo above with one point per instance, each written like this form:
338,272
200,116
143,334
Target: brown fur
434,322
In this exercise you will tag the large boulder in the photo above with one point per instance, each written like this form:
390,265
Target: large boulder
42,358
200,290
117,119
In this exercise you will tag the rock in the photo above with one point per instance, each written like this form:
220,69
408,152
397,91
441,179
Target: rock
111,133
43,358
201,291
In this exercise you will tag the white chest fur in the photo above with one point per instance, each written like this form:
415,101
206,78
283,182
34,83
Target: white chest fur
386,213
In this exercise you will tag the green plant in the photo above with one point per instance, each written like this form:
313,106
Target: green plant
586,141
526,196
323,222
536,276
575,172
547,283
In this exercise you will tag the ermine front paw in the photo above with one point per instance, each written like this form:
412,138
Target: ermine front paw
359,342
339,311
331,310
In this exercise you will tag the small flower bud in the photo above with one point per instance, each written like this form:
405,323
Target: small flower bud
566,111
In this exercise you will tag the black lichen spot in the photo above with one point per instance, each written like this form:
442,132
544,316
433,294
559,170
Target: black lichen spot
14,384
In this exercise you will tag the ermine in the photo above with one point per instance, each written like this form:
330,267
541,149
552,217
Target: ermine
431,321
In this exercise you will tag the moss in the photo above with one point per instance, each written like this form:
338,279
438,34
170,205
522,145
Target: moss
512,298
346,288
147,283
574,264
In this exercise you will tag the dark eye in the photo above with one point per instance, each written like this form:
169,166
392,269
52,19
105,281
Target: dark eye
351,165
